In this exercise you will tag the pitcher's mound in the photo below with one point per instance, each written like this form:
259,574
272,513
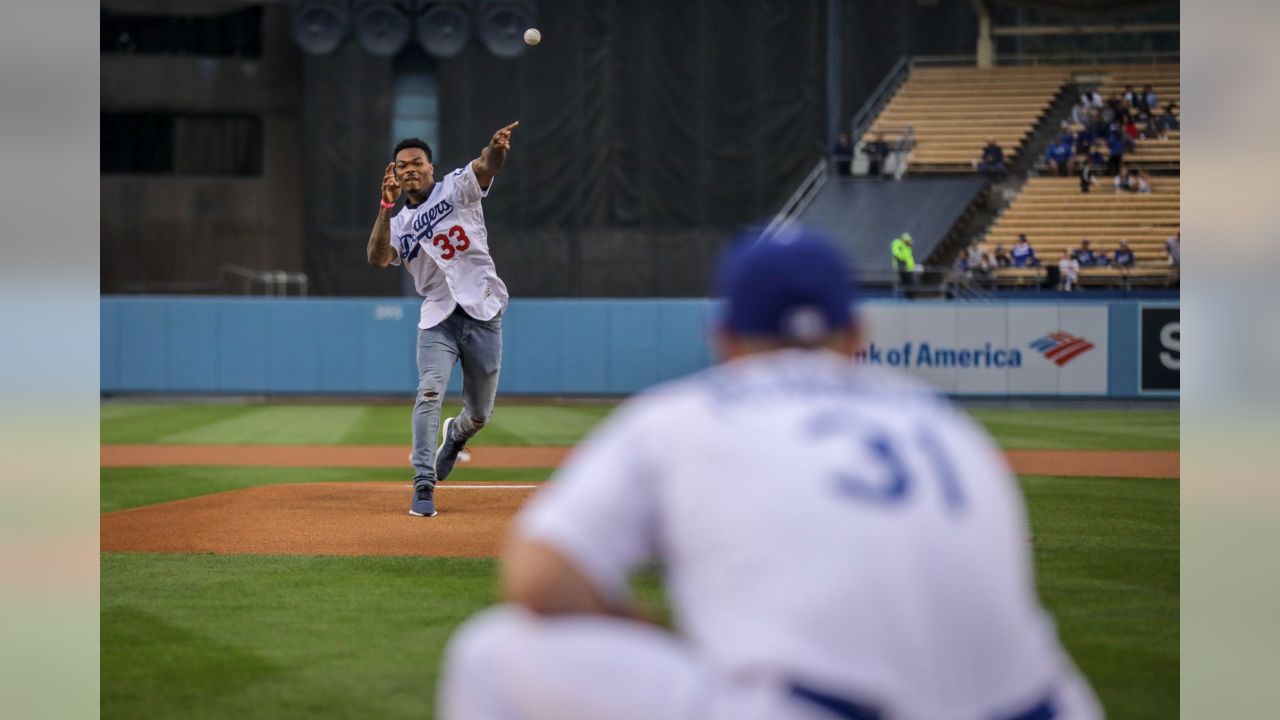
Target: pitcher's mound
321,519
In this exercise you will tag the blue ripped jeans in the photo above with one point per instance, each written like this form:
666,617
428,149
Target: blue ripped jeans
478,344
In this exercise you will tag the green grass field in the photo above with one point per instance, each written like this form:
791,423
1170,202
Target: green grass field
197,636
273,424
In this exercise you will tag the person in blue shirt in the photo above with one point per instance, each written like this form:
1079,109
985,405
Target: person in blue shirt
1084,140
1096,158
1087,257
992,159
1168,121
1022,254
1116,148
1123,257
1059,154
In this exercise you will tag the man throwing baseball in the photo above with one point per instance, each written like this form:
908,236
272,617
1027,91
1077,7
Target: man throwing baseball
837,541
440,238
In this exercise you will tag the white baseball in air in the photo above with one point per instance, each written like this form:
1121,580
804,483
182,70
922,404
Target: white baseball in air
532,36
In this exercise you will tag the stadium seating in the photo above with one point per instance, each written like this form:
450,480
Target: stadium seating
955,110
1154,154
1055,215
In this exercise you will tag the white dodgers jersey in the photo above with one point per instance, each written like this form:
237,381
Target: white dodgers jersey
821,523
444,245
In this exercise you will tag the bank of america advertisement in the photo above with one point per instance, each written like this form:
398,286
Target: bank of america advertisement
995,350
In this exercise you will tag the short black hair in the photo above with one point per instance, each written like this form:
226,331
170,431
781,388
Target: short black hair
412,143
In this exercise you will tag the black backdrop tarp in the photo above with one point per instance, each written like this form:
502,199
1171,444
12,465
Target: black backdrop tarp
648,131
346,116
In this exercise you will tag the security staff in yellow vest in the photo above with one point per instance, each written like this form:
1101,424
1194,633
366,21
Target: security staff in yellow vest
903,261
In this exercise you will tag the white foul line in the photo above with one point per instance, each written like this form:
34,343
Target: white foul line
486,487
469,486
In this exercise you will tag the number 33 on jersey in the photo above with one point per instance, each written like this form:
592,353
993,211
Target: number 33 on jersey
451,244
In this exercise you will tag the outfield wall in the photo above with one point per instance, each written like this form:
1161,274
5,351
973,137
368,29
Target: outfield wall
1121,349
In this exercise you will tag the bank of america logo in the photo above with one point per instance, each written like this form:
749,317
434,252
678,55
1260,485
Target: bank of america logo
1061,348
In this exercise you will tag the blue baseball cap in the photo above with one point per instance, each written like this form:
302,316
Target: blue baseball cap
794,285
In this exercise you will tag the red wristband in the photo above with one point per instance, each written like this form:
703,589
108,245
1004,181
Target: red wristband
386,204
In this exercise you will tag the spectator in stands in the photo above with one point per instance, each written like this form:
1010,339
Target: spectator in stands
1080,111
1129,95
1139,101
1086,256
1131,130
993,163
843,154
1002,257
1123,257
1173,250
1087,180
1023,255
1097,156
1094,97
963,272
1068,272
1122,117
981,264
1121,180
1143,179
1115,150
1150,129
1083,141
1059,154
876,151
979,256
1133,180
1150,100
1123,260
1126,180
1167,121
1111,111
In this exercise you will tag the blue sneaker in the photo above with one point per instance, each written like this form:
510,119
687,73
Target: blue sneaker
424,504
447,453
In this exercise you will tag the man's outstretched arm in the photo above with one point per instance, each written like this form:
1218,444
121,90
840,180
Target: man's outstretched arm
494,156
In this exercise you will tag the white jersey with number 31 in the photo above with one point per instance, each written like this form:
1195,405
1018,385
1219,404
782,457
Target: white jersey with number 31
444,245
821,523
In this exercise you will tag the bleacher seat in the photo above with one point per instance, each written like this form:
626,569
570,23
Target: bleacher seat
1055,215
954,111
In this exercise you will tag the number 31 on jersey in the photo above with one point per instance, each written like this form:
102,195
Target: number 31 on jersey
886,480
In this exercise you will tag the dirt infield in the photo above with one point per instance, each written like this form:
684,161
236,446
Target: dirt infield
320,519
372,518
1069,463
